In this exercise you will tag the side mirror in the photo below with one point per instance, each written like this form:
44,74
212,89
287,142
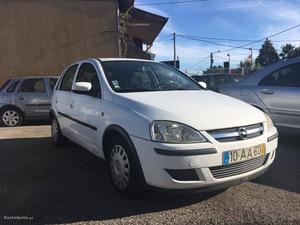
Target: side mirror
82,87
202,84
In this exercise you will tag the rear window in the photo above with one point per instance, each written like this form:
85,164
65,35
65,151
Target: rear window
33,85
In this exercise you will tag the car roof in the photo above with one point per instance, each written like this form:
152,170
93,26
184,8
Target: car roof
125,59
258,75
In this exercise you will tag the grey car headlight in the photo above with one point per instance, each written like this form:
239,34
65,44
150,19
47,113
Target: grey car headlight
172,132
270,124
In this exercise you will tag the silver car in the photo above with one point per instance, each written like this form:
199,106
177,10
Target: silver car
275,90
25,98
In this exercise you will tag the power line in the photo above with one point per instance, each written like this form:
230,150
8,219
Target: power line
253,42
198,63
164,37
211,42
232,39
170,3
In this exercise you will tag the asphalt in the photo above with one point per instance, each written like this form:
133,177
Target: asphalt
42,184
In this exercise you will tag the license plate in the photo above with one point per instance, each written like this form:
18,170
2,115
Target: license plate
243,154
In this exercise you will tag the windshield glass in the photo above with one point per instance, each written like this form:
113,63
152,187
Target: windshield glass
3,86
138,76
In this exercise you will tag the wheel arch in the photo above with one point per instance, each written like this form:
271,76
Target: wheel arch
52,114
10,106
115,130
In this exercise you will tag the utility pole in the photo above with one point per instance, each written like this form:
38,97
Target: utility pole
251,55
228,61
174,42
211,60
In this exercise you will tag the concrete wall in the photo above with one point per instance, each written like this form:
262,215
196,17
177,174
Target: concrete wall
42,37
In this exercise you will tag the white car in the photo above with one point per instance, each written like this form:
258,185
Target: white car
157,127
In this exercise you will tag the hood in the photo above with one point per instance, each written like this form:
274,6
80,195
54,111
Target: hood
203,110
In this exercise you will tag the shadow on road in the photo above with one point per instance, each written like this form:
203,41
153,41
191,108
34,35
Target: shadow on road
284,173
60,185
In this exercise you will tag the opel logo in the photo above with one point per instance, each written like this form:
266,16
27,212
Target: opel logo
242,133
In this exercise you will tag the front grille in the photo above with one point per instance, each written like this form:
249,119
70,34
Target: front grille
232,134
238,168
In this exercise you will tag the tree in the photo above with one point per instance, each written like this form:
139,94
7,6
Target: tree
294,53
267,54
286,50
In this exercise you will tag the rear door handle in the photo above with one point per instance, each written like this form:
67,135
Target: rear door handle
21,98
267,91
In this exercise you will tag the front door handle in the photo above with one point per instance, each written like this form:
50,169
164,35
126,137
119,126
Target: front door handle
267,91
21,98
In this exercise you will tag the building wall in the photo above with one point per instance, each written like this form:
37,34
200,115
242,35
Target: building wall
42,37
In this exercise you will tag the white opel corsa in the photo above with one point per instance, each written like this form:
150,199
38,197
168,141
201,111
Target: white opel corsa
157,127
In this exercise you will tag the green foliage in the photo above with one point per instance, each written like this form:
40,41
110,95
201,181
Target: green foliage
286,50
295,53
124,38
267,54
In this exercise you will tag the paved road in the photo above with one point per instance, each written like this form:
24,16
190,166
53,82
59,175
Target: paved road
69,185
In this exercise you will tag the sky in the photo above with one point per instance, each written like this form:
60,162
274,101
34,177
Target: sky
229,19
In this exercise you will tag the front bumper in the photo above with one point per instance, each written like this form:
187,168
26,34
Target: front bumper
157,168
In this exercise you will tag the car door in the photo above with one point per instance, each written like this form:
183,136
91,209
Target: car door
61,100
33,97
280,92
88,109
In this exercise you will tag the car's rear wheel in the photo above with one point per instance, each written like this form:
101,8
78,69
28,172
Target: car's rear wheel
123,168
11,117
57,137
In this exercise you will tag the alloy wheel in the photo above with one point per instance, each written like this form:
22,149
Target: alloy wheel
11,118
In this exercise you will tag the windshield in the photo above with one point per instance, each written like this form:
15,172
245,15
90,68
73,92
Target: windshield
138,76
3,86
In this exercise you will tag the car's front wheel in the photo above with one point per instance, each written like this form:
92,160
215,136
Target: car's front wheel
57,137
11,117
123,168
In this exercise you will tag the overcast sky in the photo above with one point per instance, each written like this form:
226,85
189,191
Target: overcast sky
235,19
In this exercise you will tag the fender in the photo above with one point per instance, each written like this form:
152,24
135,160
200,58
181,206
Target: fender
52,114
121,131
12,106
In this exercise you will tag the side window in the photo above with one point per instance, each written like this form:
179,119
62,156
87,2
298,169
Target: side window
87,73
4,85
288,76
33,85
52,82
12,87
67,80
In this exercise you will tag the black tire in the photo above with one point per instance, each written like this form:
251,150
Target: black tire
11,117
58,138
134,186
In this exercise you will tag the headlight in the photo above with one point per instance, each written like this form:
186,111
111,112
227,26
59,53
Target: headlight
165,131
269,122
